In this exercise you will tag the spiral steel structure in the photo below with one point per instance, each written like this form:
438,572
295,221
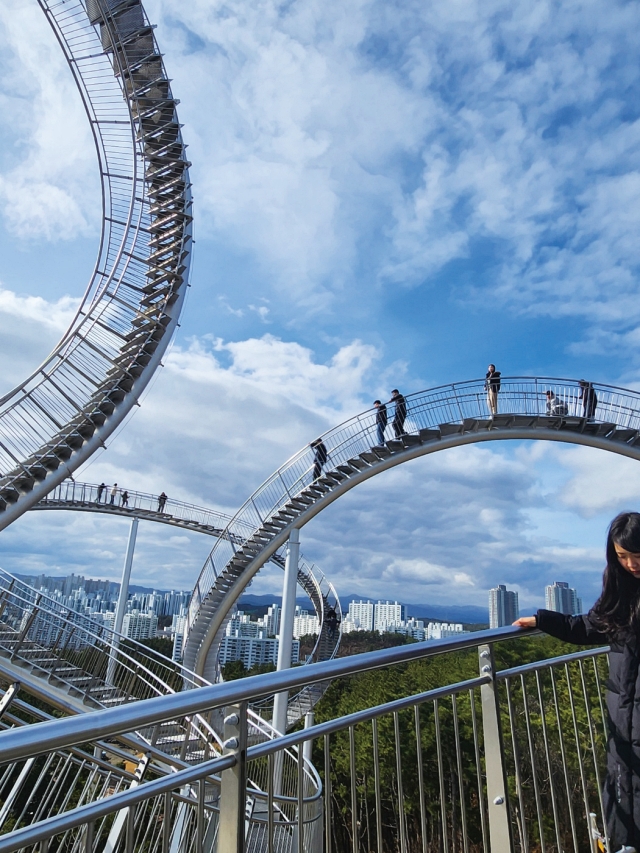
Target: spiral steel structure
600,416
53,421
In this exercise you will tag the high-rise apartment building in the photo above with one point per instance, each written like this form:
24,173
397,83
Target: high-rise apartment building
503,606
562,598
388,614
361,615
139,626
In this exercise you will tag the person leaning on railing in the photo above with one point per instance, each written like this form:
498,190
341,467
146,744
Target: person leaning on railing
614,619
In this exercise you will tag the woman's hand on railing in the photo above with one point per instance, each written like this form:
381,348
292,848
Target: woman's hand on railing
526,622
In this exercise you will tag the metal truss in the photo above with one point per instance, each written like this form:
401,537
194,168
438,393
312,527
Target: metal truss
53,421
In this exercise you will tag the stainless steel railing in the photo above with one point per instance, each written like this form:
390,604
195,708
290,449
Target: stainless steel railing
505,759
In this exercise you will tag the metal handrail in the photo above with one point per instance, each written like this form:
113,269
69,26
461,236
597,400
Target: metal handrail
19,745
101,724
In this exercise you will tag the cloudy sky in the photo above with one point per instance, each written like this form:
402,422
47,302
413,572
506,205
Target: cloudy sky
387,194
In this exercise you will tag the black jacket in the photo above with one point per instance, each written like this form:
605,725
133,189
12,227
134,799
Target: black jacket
381,415
492,380
621,795
401,409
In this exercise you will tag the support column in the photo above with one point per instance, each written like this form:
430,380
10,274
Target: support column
123,597
279,721
500,836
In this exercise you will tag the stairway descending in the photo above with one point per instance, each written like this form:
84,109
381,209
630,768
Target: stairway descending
80,666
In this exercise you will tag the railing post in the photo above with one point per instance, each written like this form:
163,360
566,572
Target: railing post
122,600
500,836
233,784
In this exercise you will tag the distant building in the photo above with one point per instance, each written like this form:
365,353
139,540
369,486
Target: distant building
252,651
139,626
562,598
441,630
305,623
271,620
387,615
503,606
360,616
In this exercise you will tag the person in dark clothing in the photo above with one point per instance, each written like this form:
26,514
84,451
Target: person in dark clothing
400,414
492,386
124,498
331,618
101,489
589,398
320,456
381,421
162,500
614,619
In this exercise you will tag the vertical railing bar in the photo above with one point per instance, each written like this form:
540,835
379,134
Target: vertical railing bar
88,838
354,792
166,823
463,809
200,816
578,750
270,827
517,766
564,761
300,769
591,724
376,784
423,814
603,716
476,746
547,752
443,804
401,817
534,774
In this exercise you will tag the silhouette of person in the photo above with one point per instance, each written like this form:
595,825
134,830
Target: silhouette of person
124,498
331,618
382,420
114,492
589,398
101,489
162,500
320,457
400,413
492,386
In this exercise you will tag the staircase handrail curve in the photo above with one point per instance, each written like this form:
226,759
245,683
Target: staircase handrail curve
426,410
64,411
91,635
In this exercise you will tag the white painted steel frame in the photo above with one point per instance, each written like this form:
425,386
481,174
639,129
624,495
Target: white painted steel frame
437,419
53,421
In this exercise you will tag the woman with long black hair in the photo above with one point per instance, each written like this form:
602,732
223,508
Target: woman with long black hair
614,619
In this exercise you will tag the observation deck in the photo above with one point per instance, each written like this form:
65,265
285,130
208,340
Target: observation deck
467,752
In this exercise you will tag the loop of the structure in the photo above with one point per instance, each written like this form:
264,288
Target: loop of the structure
54,420
440,418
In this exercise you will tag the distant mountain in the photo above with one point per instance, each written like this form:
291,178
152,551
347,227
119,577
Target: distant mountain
469,614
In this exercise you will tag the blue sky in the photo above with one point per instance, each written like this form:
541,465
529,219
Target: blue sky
387,195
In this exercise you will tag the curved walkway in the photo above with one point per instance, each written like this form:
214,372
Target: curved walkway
437,419
87,497
60,415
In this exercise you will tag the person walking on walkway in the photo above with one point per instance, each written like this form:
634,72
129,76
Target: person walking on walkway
589,398
320,456
114,492
492,386
400,413
101,489
382,420
124,498
555,406
615,620
162,500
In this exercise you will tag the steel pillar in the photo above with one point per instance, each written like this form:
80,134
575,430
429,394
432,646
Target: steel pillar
279,721
233,782
123,597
